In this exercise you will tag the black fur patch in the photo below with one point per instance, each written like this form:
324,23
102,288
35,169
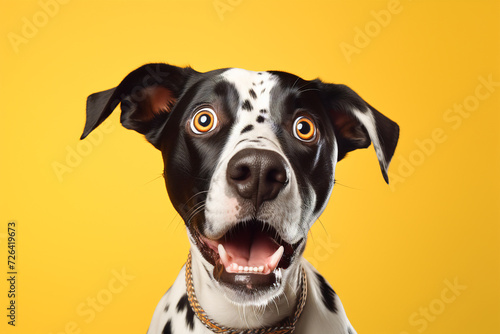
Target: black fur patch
184,304
263,111
166,308
252,94
260,119
168,328
247,106
349,330
327,294
247,128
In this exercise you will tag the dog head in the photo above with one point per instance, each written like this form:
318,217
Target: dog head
249,160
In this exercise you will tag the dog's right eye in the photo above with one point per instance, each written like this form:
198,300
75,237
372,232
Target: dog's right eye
204,121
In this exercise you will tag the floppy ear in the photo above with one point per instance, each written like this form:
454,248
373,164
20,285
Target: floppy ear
147,95
357,124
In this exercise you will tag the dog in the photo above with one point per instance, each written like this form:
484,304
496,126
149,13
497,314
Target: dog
249,164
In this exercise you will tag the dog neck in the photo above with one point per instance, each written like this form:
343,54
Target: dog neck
230,314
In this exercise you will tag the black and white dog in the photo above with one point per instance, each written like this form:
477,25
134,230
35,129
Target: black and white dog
249,163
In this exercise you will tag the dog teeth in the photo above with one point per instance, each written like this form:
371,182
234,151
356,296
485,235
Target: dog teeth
233,267
275,258
223,254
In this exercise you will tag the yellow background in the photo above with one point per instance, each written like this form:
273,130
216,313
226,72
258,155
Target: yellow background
388,251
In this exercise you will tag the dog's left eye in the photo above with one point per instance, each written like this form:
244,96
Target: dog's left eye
304,129
205,120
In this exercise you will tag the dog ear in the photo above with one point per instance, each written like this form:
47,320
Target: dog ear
357,124
147,95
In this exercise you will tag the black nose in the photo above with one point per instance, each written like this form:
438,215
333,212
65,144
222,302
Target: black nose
257,174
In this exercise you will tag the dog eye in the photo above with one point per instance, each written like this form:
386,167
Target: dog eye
205,120
304,129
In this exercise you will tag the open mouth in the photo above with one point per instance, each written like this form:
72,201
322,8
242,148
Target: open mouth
250,255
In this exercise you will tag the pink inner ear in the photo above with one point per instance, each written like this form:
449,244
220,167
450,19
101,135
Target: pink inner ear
161,99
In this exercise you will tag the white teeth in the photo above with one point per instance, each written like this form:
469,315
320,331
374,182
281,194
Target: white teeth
235,268
244,269
223,254
275,258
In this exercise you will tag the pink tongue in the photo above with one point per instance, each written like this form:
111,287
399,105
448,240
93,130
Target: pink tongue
248,250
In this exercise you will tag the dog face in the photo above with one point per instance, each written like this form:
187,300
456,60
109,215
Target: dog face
249,160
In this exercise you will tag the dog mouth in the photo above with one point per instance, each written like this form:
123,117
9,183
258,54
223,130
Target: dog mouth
248,256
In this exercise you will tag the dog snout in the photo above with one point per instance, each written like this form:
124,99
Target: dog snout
258,175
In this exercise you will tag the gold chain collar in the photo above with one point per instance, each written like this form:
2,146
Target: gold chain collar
287,326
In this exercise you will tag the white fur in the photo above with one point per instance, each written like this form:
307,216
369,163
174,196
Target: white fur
366,118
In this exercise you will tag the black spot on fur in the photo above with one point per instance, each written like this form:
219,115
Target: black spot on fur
252,94
262,82
247,106
260,119
190,318
327,294
184,304
166,308
349,330
260,73
262,92
247,128
263,111
168,328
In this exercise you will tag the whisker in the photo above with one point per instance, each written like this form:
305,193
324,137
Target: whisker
310,89
343,185
197,211
296,80
322,225
277,309
156,178
173,218
197,194
194,208
286,298
192,197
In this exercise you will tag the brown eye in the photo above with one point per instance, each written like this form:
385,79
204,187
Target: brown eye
205,120
304,129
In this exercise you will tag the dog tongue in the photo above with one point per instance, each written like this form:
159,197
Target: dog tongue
250,253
